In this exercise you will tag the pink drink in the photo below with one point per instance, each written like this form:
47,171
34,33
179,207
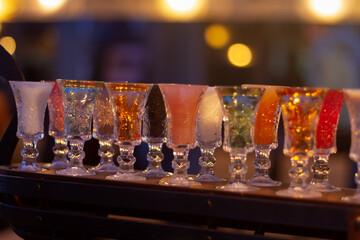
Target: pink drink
328,120
182,105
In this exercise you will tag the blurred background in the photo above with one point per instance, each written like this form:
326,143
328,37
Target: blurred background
227,42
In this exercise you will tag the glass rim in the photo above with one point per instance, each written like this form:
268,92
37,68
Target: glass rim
305,88
77,80
127,83
181,84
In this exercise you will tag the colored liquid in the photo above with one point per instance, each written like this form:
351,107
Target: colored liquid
129,101
239,106
209,121
267,119
328,120
352,97
182,106
103,117
56,113
79,98
300,108
31,99
155,121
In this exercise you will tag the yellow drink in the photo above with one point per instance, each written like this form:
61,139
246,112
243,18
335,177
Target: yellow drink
300,108
129,101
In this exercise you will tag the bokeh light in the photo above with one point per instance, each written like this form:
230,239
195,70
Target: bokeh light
239,55
181,9
216,36
9,44
7,9
329,11
51,4
181,5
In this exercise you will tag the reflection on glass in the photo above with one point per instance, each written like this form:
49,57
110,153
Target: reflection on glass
239,107
56,128
182,104
352,98
265,137
31,99
208,134
128,100
300,111
103,130
79,98
326,140
154,133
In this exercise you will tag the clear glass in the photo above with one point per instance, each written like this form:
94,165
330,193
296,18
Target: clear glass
239,107
154,133
31,99
103,130
352,98
79,100
300,111
265,136
326,140
182,104
208,134
128,101
56,129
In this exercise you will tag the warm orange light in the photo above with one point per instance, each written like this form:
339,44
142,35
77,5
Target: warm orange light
181,9
7,9
51,5
327,7
9,44
327,10
181,5
239,55
216,36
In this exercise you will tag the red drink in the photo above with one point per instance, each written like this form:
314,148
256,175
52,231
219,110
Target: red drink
328,120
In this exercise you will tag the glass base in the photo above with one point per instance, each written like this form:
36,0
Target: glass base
126,177
155,173
237,187
208,178
263,181
30,168
75,171
59,165
324,187
105,168
179,181
297,192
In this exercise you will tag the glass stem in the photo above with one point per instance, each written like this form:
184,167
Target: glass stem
29,153
207,162
126,159
106,151
76,153
320,169
299,172
155,156
262,162
180,163
60,149
237,167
